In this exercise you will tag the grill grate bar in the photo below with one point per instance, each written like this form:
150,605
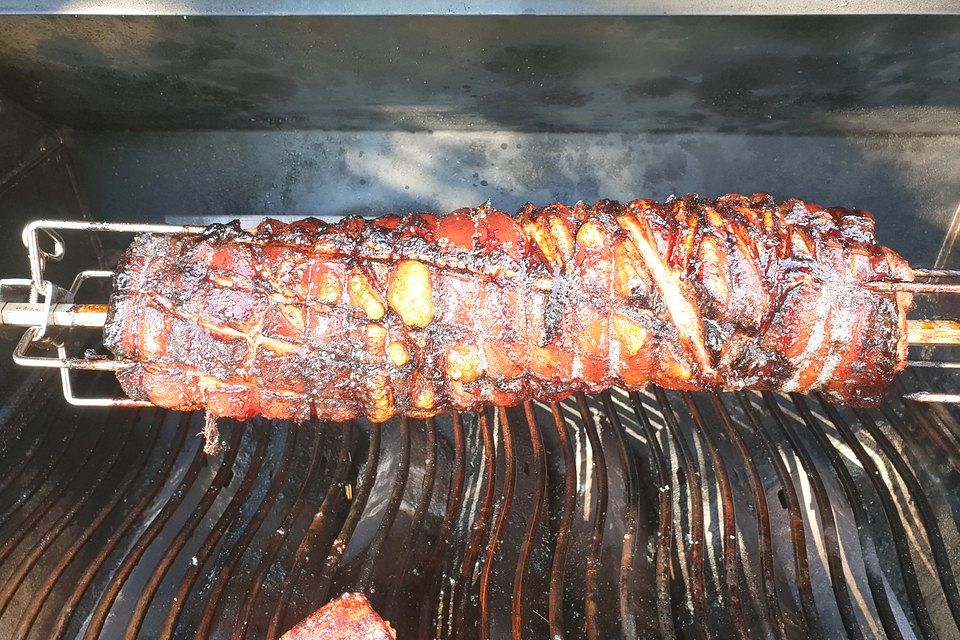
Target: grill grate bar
133,556
664,548
503,512
28,428
86,578
924,509
766,578
234,554
373,551
419,513
226,519
32,609
871,561
697,537
460,625
360,498
451,516
272,548
533,525
318,534
893,521
797,532
596,540
731,555
30,523
34,477
559,561
831,536
160,570
629,612
50,534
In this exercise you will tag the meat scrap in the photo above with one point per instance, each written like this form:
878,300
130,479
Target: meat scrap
349,617
420,314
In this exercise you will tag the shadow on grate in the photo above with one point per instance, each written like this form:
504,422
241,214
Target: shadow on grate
647,514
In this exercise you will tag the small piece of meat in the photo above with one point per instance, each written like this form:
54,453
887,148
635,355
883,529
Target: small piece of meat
420,314
349,617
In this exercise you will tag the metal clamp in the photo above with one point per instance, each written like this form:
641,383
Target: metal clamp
38,256
50,305
50,293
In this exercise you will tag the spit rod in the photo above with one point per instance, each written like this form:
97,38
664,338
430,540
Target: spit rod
26,314
914,287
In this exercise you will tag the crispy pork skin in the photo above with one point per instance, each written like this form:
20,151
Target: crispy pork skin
422,313
349,617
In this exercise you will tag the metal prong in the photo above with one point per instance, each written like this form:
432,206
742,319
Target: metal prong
66,365
936,273
933,364
37,315
930,332
926,396
89,274
914,287
61,361
94,402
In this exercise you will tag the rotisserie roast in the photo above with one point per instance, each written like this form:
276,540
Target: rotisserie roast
349,617
420,314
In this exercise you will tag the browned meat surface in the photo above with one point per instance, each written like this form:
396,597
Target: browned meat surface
419,314
349,617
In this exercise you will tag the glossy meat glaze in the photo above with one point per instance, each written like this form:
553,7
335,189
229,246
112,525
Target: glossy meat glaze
423,313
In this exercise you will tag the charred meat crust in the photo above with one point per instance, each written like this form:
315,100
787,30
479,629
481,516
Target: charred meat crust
420,314
349,617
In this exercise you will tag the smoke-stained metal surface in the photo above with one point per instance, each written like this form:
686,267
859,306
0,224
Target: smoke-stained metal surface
21,130
910,184
473,7
766,74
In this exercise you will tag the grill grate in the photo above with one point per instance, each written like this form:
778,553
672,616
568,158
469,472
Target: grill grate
619,515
